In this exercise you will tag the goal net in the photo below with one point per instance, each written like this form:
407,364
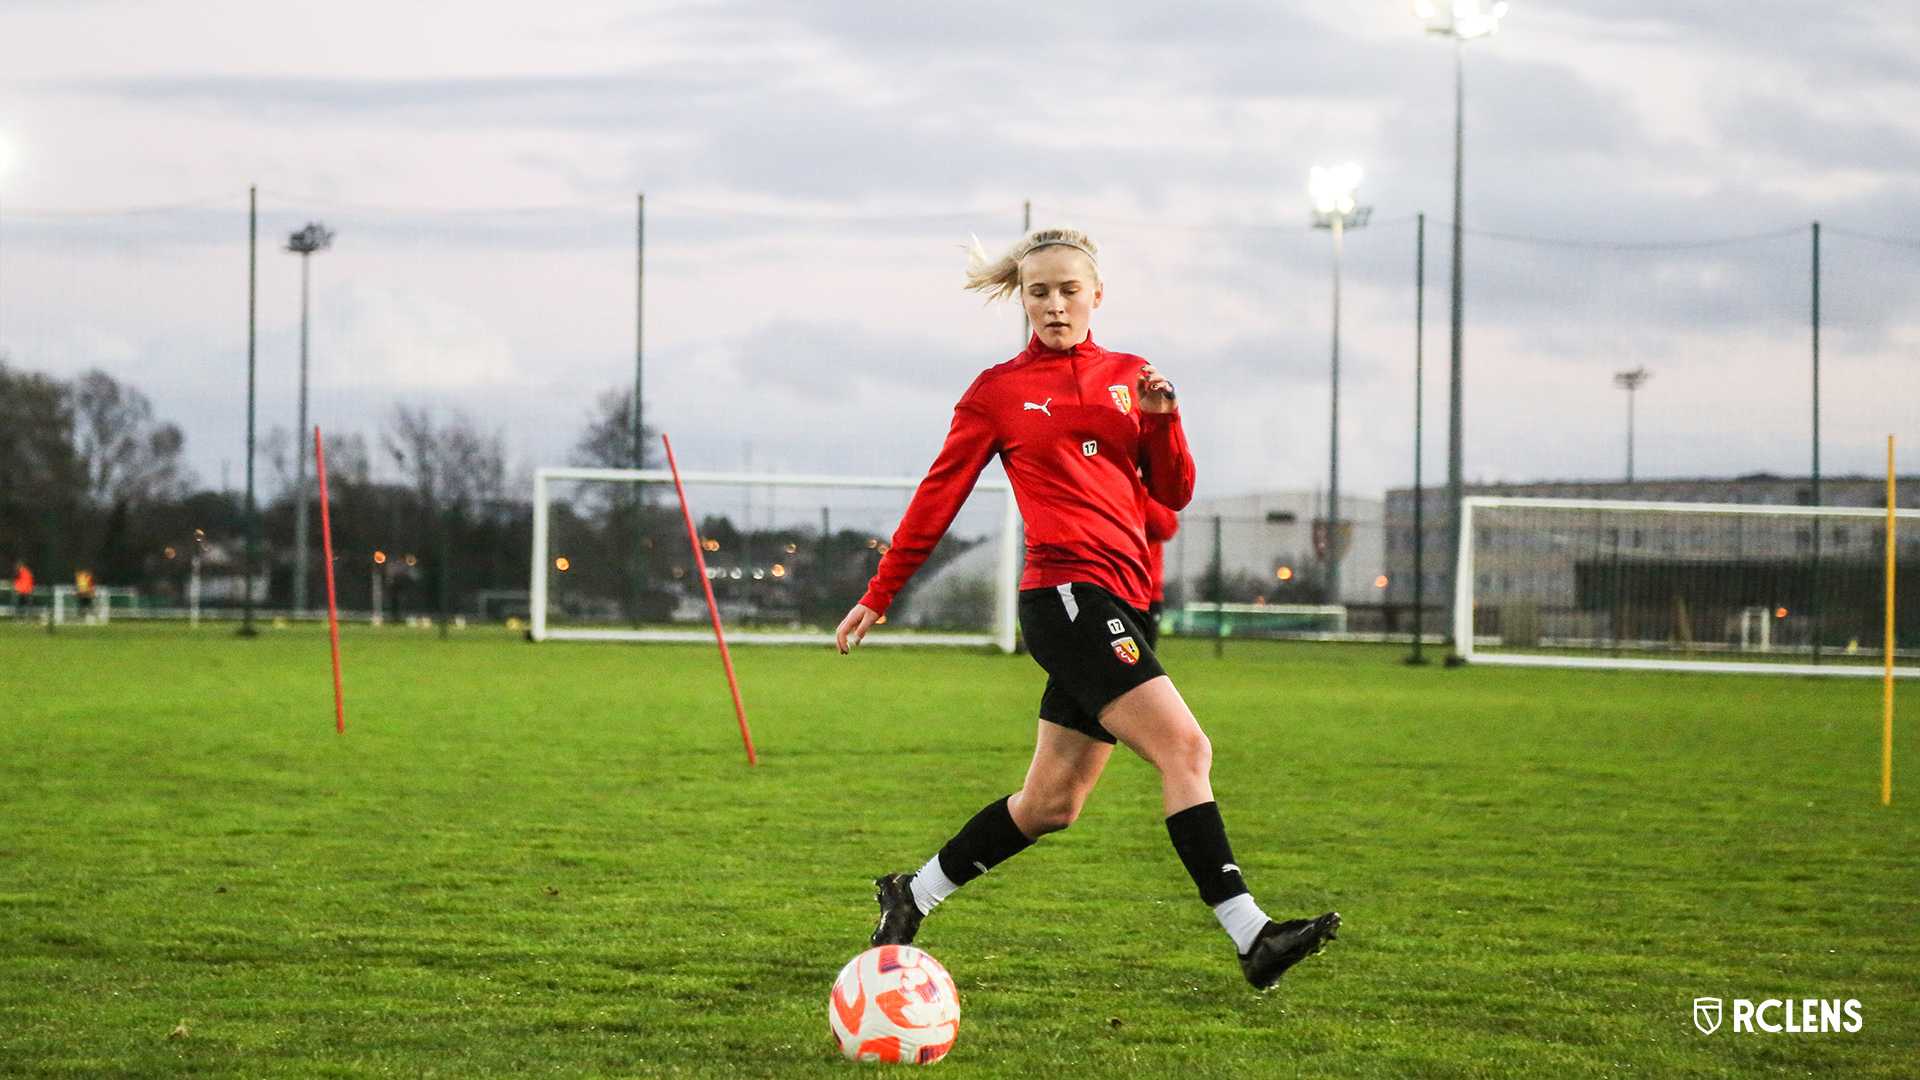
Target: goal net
1693,586
787,557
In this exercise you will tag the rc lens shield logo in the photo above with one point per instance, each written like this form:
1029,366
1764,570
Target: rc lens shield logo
1798,1015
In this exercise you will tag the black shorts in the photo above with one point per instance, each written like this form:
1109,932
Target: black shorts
1094,646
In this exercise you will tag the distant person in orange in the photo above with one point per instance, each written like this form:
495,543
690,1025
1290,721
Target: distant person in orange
83,592
22,590
1161,524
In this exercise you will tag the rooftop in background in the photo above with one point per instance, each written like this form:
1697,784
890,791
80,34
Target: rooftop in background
1762,489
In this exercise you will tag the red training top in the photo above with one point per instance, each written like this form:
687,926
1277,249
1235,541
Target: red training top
1083,460
23,581
1161,524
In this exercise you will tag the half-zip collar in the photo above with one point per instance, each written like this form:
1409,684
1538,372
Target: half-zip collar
1039,351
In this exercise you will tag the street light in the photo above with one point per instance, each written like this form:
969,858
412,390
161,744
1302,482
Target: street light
315,237
1334,209
1464,21
1631,381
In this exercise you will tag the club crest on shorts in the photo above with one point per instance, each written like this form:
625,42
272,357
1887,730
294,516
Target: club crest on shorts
1122,396
1126,649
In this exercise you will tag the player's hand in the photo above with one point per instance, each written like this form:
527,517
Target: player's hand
1154,391
853,628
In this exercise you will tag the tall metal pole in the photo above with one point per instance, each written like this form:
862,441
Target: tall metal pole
1419,413
448,518
304,243
1817,608
252,517
1219,584
637,496
640,323
1886,692
300,471
1631,391
1631,381
1816,371
1333,456
1454,485
1026,226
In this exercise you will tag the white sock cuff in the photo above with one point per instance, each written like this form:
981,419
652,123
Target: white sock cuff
1242,919
931,885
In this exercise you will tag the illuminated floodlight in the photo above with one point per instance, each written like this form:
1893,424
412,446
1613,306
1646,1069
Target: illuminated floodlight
1335,210
1332,188
1465,19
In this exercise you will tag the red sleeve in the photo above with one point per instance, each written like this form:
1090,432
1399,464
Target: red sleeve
1165,466
1162,523
969,445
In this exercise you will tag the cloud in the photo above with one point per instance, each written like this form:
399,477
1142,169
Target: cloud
374,334
1180,135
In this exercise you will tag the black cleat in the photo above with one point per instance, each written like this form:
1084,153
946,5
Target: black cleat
1284,944
899,915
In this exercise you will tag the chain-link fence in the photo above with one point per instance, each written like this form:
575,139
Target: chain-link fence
449,352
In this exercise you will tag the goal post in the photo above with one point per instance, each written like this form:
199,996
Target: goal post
606,566
1726,587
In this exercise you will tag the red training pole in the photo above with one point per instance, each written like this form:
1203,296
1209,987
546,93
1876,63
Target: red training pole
333,606
713,609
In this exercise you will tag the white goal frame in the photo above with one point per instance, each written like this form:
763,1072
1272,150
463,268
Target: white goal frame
1463,587
1006,576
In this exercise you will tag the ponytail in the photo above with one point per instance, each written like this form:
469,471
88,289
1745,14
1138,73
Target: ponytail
1001,277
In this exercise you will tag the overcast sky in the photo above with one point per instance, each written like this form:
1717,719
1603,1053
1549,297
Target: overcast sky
812,169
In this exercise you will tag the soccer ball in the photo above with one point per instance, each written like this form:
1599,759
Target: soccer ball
894,1004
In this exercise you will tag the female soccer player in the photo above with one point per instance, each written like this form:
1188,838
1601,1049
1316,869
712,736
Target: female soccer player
1086,437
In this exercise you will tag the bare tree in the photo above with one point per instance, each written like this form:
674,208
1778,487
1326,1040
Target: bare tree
129,457
607,443
622,513
41,481
455,466
347,460
607,440
277,447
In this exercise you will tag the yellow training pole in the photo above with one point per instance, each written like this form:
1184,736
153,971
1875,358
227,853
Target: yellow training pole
1886,711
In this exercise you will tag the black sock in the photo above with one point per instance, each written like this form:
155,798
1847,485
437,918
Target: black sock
983,843
1201,839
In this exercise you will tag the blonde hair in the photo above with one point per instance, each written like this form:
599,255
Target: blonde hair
1001,277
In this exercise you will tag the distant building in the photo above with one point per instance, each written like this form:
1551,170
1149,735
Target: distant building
1267,548
1760,489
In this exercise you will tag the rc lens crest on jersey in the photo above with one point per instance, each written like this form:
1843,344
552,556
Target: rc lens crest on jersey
1122,396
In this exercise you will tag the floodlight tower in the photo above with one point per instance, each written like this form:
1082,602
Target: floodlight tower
1631,381
315,237
1464,21
6,155
1334,209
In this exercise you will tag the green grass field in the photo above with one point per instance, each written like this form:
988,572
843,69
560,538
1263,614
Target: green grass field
553,861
